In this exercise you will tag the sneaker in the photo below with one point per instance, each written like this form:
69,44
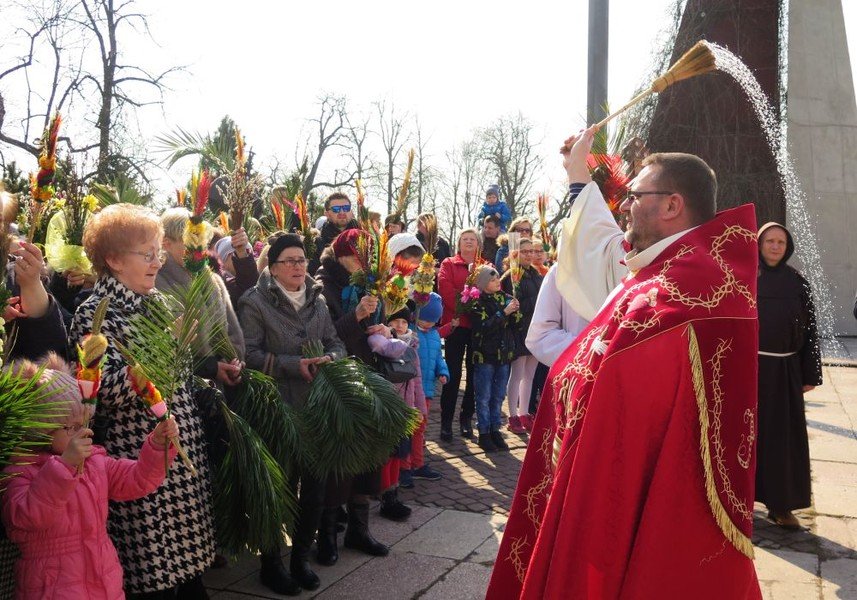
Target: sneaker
427,473
515,425
499,442
486,443
527,422
406,479
445,435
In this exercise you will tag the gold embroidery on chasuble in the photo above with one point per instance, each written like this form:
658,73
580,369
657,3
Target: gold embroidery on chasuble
745,449
709,425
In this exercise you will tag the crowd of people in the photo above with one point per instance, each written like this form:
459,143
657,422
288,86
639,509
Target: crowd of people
99,481
100,513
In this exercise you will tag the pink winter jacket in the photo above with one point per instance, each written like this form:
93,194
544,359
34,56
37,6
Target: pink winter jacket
58,519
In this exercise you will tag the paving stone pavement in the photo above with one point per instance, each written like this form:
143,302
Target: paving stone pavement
447,548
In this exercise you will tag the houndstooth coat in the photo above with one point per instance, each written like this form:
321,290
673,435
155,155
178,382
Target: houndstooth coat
166,538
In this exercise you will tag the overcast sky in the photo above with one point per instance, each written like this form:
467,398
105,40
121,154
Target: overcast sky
458,65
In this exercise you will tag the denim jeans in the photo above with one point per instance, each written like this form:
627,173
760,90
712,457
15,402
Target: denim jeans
489,386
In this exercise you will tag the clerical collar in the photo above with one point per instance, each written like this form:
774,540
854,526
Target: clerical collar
639,260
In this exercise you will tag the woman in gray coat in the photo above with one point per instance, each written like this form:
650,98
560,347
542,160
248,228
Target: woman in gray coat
279,315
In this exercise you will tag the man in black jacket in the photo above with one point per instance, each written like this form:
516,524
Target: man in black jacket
337,209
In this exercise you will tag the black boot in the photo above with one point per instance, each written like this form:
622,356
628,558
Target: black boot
392,508
275,577
486,443
498,440
341,519
445,429
306,525
466,426
327,552
357,536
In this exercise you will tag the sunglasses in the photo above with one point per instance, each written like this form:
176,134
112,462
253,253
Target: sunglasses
340,208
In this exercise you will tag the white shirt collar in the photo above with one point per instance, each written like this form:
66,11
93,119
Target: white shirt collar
638,260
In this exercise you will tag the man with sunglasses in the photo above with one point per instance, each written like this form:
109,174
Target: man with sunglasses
641,484
337,209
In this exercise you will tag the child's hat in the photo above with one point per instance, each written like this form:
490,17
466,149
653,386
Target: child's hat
405,314
433,310
60,386
482,275
494,190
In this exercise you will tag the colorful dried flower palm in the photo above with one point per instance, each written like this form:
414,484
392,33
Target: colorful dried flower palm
470,293
64,235
422,280
42,184
299,207
515,270
196,229
544,230
153,400
242,188
608,172
91,355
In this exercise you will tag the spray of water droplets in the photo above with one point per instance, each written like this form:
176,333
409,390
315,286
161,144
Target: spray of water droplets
799,219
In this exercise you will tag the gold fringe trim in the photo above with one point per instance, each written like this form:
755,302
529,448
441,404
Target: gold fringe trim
741,542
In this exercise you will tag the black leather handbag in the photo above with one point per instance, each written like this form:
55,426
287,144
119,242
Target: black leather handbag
399,370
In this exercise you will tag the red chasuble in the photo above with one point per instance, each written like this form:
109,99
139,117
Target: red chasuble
638,480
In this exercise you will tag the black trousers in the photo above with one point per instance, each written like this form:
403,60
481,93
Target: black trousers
539,378
457,350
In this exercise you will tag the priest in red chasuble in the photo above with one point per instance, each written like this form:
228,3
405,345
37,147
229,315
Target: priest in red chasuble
638,480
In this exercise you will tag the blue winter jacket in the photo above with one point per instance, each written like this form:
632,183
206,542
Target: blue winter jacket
431,360
489,210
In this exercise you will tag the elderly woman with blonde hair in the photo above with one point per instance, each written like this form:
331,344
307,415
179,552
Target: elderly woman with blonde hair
124,244
174,276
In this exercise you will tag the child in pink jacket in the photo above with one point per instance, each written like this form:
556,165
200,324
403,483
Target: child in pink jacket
412,394
57,516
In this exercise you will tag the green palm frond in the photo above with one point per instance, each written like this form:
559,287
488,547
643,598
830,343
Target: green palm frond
610,139
162,344
352,420
119,189
252,498
194,301
25,415
180,143
258,401
165,338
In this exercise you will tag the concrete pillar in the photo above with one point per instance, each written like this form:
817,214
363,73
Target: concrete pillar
599,27
822,140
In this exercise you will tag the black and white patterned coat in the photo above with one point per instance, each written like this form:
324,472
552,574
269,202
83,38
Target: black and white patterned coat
166,538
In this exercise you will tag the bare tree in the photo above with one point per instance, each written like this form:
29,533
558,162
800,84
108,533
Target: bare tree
423,172
507,146
44,36
460,205
329,130
77,34
391,127
357,154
